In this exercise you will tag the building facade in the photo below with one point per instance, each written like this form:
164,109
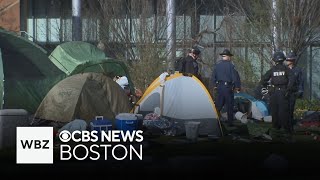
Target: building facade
49,23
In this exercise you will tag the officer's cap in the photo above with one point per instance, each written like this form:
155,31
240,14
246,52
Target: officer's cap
226,52
195,50
291,56
279,56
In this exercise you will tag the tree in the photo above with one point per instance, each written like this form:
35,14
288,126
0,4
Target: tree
297,22
136,32
302,24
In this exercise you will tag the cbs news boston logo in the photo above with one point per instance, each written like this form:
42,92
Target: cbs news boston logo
34,145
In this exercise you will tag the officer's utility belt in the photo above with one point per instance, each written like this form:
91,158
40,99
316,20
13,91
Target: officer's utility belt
280,88
225,83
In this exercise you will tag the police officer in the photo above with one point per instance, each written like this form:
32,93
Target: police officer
282,83
226,80
298,86
189,64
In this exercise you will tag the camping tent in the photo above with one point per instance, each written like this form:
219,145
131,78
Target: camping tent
181,98
26,73
78,57
83,96
257,109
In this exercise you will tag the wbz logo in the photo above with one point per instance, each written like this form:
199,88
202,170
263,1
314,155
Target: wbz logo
37,144
34,145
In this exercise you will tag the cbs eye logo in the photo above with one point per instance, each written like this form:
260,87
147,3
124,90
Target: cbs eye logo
65,136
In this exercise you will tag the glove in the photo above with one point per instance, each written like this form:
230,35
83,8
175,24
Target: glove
264,91
215,90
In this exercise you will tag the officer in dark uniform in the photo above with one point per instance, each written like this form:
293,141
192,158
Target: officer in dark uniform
189,64
281,87
226,80
298,86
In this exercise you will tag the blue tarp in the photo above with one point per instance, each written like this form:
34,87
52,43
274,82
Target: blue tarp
261,105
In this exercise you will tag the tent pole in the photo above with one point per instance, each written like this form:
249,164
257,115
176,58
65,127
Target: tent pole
218,113
219,122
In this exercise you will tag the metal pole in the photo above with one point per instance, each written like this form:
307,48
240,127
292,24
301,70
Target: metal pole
76,20
275,29
310,73
171,34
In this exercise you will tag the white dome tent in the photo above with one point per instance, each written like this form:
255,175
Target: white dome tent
181,98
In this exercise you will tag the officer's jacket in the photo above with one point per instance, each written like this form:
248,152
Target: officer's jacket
298,79
189,65
226,72
280,76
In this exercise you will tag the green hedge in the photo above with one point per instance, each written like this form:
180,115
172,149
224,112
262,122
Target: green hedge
303,105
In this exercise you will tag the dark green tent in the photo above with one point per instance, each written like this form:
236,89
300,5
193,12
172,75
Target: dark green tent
78,57
26,72
83,96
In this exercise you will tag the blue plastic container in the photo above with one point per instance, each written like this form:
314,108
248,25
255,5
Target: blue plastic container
100,124
128,122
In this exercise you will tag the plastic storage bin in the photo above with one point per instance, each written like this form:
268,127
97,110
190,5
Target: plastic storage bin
100,124
10,119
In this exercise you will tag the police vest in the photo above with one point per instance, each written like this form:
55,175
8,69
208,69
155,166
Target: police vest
279,76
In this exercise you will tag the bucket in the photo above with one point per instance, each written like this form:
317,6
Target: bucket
157,110
128,122
192,130
241,117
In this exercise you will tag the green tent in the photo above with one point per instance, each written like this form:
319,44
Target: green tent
83,96
26,72
78,57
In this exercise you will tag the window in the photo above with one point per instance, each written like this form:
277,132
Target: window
41,29
183,27
67,29
89,29
207,23
54,29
